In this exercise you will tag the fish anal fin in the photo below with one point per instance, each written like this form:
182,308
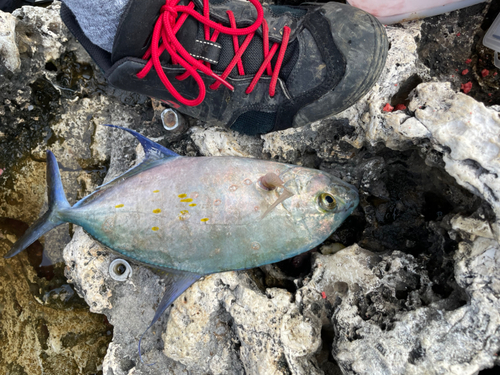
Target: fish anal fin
176,283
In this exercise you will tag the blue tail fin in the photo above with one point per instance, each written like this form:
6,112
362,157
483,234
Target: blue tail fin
52,218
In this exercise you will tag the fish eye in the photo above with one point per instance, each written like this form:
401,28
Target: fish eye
327,201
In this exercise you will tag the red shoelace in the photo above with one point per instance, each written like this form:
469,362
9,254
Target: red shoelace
164,38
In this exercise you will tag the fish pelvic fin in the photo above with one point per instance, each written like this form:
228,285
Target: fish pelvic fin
52,218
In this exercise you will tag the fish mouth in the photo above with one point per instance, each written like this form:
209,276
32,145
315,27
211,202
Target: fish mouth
351,198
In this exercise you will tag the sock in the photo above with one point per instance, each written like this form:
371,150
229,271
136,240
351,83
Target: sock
98,19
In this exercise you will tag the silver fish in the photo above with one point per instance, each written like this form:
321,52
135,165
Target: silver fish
197,216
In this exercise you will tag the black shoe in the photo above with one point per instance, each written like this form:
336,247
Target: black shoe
324,58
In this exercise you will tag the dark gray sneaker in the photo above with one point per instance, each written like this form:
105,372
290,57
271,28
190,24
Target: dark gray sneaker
250,67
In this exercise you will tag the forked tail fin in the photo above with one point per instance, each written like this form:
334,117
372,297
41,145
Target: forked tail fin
52,218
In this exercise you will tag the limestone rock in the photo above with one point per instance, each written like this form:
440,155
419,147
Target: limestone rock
462,129
218,142
41,31
388,320
470,132
402,72
9,54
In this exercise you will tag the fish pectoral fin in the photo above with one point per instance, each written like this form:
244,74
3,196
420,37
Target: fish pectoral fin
284,196
177,283
271,181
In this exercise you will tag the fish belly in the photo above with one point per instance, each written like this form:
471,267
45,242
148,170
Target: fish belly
196,214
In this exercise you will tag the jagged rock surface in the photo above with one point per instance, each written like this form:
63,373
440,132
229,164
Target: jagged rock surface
428,180
388,320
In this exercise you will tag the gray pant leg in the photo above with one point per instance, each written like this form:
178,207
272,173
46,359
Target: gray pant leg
98,19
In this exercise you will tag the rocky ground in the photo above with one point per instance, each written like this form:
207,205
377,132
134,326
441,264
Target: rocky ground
409,284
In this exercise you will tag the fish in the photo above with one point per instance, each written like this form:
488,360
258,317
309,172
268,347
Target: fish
194,216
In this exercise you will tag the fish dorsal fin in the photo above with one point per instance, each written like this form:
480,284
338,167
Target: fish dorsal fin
153,152
177,283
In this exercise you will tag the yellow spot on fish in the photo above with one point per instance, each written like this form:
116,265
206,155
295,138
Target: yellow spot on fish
156,191
155,229
119,206
192,205
205,219
186,200
182,195
157,211
184,212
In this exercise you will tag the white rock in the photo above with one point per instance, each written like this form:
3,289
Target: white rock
411,128
9,54
424,338
51,34
402,64
219,142
475,227
197,333
83,250
469,135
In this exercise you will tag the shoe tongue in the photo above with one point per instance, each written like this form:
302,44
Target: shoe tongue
133,36
135,30
189,32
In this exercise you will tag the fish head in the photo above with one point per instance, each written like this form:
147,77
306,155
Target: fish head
320,202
